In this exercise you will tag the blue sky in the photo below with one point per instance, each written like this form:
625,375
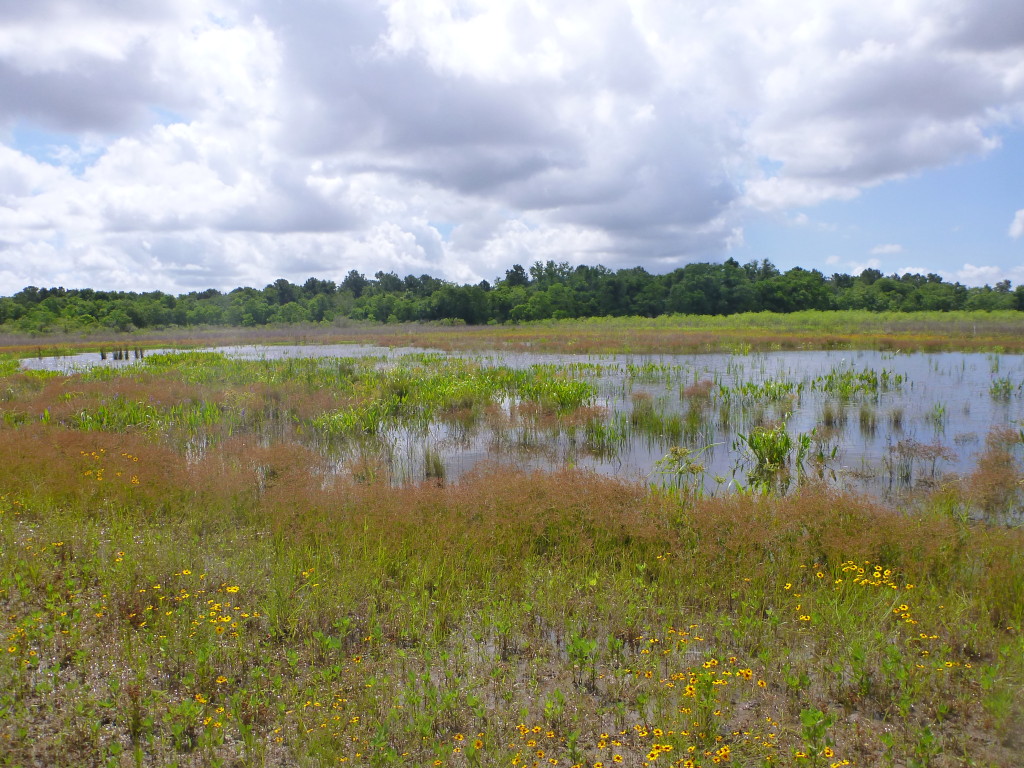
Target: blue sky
185,144
38,143
939,220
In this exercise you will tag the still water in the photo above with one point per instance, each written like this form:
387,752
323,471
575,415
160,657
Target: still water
877,421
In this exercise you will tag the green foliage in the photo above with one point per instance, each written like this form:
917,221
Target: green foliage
682,471
1002,389
770,447
815,725
547,291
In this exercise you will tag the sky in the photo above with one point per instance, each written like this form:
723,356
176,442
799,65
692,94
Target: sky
179,145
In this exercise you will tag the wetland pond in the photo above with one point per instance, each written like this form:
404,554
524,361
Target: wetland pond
863,420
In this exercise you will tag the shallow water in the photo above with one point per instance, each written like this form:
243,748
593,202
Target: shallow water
930,420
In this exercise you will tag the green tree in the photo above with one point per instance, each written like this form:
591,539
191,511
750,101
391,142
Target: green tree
795,290
354,283
292,312
516,276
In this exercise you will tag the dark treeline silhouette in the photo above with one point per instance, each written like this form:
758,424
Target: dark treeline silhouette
544,291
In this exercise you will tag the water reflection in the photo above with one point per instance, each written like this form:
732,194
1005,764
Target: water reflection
859,419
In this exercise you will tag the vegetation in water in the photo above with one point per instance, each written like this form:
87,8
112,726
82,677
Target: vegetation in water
214,561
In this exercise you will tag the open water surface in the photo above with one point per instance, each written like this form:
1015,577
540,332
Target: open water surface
928,417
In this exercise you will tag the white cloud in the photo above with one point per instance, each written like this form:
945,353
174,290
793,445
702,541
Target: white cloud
1017,226
856,267
778,193
970,274
914,271
249,141
887,248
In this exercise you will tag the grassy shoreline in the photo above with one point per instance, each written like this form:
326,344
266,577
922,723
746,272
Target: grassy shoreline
916,331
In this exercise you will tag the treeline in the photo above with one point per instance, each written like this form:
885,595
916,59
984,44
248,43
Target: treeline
544,291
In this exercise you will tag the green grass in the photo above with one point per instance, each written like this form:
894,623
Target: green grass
739,334
187,578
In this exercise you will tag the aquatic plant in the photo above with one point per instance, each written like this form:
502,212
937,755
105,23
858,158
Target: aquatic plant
682,470
868,420
896,419
846,383
605,438
906,454
433,465
936,416
1002,389
770,447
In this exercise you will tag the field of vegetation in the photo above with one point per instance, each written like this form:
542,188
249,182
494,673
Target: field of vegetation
998,331
209,561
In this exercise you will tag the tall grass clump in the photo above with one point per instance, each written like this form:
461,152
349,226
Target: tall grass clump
647,419
770,447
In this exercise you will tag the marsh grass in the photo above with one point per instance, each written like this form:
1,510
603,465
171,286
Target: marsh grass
994,488
250,604
868,420
647,418
992,332
380,625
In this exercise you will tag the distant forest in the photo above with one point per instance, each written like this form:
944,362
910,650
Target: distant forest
544,291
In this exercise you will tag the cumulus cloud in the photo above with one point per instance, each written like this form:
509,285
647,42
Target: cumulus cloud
914,270
971,274
856,267
201,142
1017,225
887,248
